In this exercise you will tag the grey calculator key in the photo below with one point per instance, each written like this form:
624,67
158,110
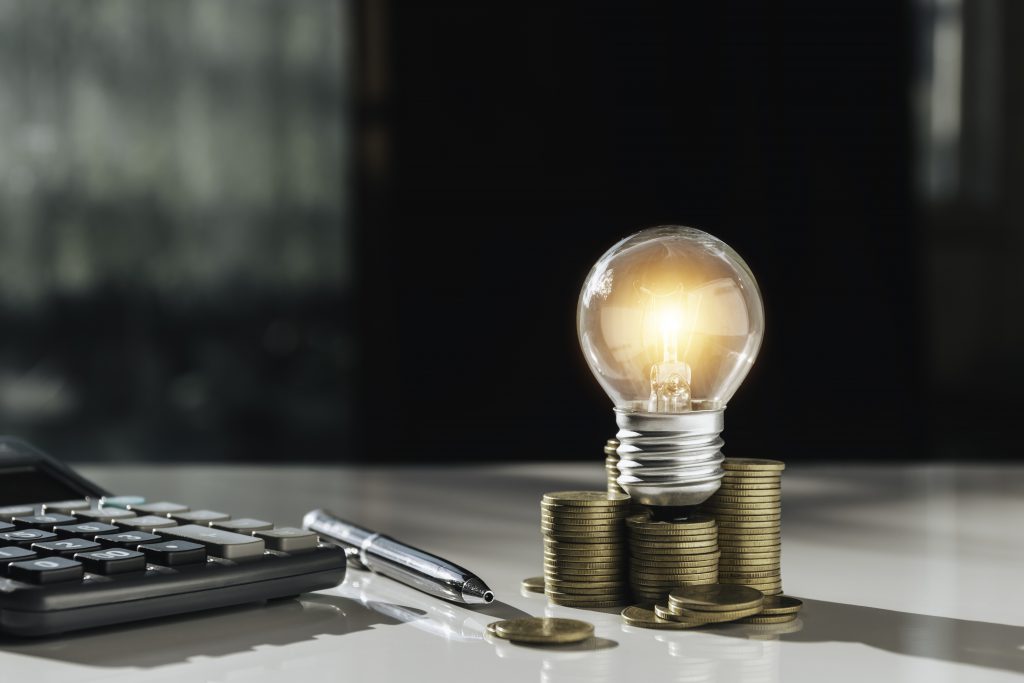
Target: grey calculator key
288,539
147,522
67,506
123,501
11,511
199,516
219,543
162,508
104,514
245,525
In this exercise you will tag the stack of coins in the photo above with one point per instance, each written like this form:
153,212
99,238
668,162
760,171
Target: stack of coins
611,465
748,509
584,548
711,604
667,555
777,609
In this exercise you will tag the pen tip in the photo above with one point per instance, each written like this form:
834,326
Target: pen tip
476,592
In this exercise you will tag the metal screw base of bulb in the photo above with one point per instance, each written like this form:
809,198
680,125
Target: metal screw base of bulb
670,459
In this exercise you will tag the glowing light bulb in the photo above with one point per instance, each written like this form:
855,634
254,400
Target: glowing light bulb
670,321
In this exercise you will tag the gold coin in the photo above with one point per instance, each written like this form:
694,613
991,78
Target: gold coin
589,604
759,619
741,535
749,517
611,533
670,583
740,557
664,613
561,511
665,538
748,561
557,575
737,508
746,577
586,499
759,484
694,522
642,617
752,465
651,577
679,545
777,605
562,585
584,565
575,520
768,524
715,597
716,617
726,501
600,555
544,630
534,584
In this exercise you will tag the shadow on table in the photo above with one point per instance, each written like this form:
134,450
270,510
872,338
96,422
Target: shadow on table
978,643
215,633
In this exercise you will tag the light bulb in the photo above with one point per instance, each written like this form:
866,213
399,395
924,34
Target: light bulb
670,320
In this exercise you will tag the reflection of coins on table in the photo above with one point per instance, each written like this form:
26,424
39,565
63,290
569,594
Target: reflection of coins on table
534,584
542,630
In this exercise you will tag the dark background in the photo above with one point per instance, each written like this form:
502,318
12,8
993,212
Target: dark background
356,231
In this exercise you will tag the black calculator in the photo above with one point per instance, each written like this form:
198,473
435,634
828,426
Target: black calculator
73,556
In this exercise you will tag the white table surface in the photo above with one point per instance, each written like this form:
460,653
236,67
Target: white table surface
908,574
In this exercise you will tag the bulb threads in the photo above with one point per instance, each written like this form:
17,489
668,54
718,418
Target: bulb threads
670,459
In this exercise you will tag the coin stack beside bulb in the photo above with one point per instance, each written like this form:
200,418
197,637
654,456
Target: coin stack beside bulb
611,465
748,509
672,554
585,555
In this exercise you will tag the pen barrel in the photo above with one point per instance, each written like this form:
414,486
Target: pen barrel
414,567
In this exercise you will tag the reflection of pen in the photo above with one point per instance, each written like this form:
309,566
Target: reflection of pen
411,566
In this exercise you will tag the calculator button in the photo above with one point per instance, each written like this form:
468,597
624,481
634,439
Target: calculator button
86,529
26,537
288,539
163,508
67,547
42,521
13,553
123,501
112,561
46,570
4,526
128,539
67,506
174,553
219,543
199,517
9,512
245,525
146,522
104,514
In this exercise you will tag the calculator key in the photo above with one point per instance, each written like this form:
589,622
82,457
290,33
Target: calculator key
26,537
104,514
66,547
4,526
123,501
146,522
46,570
13,553
85,529
162,508
288,539
219,543
199,517
245,525
112,561
11,511
174,553
67,506
42,521
128,539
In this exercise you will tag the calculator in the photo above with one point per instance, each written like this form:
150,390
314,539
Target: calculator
74,556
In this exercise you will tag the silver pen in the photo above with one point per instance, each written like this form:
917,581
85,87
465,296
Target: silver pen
414,567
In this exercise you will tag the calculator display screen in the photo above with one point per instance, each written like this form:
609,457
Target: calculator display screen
26,484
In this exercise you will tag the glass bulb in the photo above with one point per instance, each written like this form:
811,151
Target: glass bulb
670,320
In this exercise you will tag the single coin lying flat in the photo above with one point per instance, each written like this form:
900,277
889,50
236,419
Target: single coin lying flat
542,630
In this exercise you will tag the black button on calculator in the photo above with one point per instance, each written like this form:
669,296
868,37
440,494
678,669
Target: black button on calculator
66,547
85,529
127,539
46,570
112,561
174,553
26,537
46,522
13,553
